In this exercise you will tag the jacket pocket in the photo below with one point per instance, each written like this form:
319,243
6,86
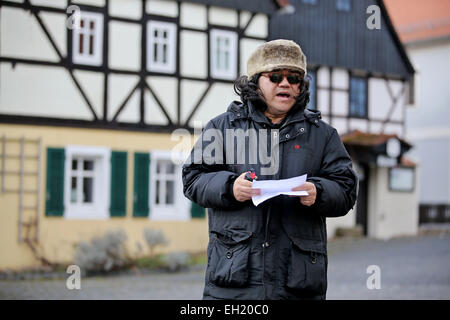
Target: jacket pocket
229,258
307,268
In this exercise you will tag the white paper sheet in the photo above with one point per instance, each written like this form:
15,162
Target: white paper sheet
273,188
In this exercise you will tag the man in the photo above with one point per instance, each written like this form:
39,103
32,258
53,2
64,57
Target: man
276,250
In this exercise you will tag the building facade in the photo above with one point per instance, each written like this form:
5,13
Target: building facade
91,94
362,82
427,41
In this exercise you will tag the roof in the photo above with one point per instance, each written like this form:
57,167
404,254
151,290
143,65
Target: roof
263,6
417,20
359,138
342,39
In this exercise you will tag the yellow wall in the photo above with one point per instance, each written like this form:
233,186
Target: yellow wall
58,236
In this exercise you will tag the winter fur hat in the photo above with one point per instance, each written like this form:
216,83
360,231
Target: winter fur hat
276,54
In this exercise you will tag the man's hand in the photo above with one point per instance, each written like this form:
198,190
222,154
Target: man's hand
242,189
310,199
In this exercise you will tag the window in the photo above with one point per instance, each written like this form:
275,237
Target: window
82,177
87,172
223,53
358,97
343,5
165,183
312,91
166,188
310,1
161,46
87,39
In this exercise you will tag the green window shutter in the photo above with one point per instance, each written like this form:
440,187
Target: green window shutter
197,211
141,184
54,199
118,206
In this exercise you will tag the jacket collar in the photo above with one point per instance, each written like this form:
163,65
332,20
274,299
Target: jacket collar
239,110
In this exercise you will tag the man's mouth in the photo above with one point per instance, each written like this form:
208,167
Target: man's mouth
283,95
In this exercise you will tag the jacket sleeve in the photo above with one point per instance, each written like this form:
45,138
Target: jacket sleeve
205,178
336,182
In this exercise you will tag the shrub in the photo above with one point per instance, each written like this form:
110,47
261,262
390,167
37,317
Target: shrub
177,260
104,253
154,238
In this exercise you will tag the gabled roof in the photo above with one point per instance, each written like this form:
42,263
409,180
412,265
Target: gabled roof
417,20
263,6
342,39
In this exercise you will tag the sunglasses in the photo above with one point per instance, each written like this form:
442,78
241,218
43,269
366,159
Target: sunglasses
277,77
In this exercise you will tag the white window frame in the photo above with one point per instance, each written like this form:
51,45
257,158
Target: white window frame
222,73
159,66
85,58
180,210
99,208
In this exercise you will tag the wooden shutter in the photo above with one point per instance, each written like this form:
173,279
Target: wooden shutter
54,199
141,184
118,205
197,211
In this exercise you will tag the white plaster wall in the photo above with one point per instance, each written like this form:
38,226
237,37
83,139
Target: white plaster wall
393,128
340,124
248,46
223,17
391,214
340,79
191,92
125,8
340,103
358,124
258,27
193,16
165,88
376,127
50,3
162,7
92,84
55,97
323,101
56,26
119,87
245,18
212,106
124,46
323,77
99,3
22,36
379,99
153,113
194,54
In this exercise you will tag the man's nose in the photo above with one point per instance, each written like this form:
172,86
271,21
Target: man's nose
284,82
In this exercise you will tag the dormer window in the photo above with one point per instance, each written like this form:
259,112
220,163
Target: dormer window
87,39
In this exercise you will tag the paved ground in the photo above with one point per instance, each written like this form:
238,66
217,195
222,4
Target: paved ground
410,268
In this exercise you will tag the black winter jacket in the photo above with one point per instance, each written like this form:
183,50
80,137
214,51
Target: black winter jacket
278,249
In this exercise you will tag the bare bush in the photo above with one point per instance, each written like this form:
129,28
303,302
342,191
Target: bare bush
103,253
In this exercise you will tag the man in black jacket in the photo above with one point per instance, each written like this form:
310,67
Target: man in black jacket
278,249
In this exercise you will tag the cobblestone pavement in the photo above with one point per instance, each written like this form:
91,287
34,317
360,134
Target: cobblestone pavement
410,268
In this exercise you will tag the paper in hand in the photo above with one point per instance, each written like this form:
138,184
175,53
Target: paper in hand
273,188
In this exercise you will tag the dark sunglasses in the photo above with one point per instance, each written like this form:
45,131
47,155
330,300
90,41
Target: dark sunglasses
277,77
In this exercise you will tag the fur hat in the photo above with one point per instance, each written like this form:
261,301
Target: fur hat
276,54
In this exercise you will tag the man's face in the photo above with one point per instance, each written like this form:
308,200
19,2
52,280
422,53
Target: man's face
279,97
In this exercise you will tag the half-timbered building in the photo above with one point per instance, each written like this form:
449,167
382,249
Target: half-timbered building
95,96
